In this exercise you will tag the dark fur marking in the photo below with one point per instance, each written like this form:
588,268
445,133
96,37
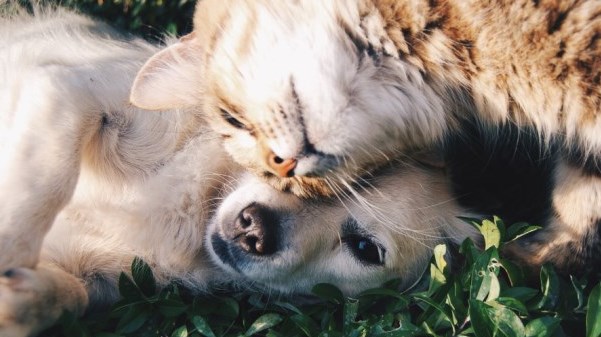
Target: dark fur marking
555,23
582,256
562,49
105,121
307,146
434,24
592,244
502,171
588,164
360,44
593,41
563,74
374,55
408,40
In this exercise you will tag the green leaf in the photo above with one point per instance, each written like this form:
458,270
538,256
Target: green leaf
305,324
349,314
201,325
328,292
134,319
542,327
171,307
481,280
398,332
437,279
549,285
481,322
128,289
456,298
491,233
578,287
494,288
289,306
513,304
71,325
222,306
506,322
182,331
383,292
593,316
439,257
514,273
517,230
442,311
469,250
143,277
264,322
171,28
523,294
489,321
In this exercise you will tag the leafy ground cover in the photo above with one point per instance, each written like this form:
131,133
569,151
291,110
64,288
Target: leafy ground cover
148,18
484,296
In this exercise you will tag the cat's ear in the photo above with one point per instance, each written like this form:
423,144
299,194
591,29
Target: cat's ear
171,78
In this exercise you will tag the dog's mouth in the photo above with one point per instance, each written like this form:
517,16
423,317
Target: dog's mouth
222,250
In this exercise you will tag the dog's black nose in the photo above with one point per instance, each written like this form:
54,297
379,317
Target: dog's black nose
255,230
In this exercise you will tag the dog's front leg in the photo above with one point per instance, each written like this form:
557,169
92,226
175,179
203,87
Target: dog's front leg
32,300
45,121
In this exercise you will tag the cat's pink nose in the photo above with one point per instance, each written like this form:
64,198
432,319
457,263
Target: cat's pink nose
282,167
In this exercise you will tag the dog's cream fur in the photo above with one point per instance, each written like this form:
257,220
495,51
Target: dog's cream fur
87,182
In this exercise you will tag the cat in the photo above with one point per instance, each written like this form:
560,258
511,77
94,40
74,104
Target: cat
88,182
315,95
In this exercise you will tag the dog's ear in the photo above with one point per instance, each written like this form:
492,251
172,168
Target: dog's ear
171,78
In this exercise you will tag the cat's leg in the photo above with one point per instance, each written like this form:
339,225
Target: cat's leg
571,240
33,299
49,116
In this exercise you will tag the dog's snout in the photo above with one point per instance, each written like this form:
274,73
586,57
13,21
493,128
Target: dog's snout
255,230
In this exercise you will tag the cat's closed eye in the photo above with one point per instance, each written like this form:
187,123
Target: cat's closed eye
233,121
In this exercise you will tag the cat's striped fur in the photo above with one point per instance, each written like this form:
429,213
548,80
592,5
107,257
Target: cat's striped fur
313,95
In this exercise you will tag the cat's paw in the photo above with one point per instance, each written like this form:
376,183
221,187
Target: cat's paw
33,299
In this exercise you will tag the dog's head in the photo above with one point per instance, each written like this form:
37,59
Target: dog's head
386,229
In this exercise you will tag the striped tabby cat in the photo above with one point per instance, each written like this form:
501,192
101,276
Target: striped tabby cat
313,95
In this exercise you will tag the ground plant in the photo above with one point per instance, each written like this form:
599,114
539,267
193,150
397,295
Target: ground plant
149,18
485,295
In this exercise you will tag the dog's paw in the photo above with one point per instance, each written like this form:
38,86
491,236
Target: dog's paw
21,297
32,299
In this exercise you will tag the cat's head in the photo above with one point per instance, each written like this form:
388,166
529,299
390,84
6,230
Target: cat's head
311,95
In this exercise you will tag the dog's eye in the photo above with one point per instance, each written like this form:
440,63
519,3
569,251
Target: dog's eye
233,121
365,249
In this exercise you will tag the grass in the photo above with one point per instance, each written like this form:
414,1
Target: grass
484,296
